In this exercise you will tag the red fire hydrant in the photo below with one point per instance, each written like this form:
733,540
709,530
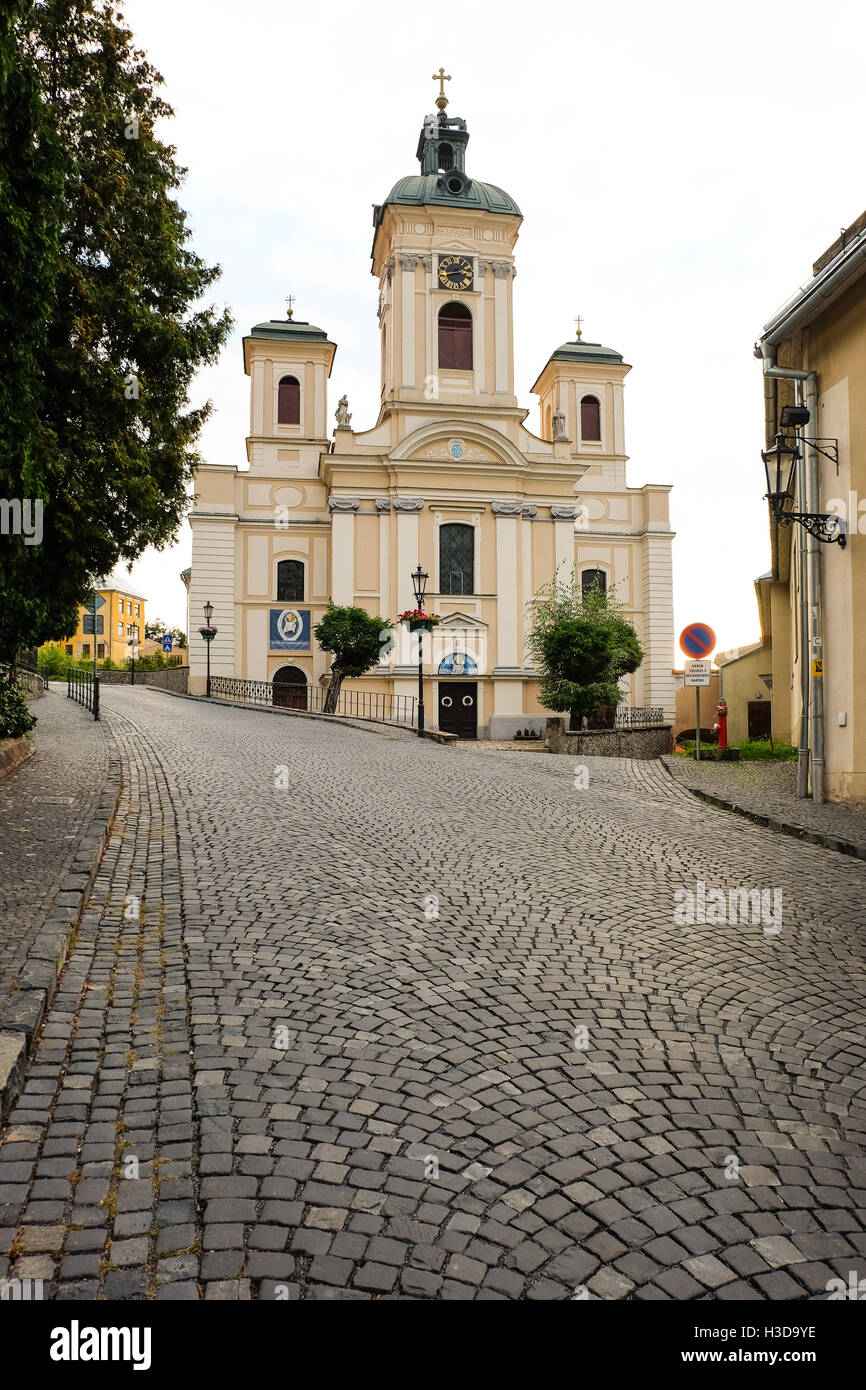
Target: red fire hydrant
722,721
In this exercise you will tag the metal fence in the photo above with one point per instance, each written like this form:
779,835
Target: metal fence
626,717
83,687
353,704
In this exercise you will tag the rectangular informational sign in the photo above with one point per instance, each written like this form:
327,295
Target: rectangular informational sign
289,630
167,642
697,672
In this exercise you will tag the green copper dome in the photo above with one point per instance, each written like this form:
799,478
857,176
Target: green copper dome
585,352
418,190
292,330
443,180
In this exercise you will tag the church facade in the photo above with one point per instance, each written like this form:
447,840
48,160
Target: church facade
449,476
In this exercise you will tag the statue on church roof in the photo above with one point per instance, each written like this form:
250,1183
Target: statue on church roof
559,434
342,413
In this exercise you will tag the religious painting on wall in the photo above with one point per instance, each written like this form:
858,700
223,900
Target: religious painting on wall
289,629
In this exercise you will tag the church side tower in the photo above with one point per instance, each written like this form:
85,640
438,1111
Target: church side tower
443,252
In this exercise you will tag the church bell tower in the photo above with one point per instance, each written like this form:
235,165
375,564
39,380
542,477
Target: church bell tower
443,252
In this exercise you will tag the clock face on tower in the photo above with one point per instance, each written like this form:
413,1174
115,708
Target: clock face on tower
455,273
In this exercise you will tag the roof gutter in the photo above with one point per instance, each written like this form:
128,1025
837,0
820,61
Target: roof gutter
814,296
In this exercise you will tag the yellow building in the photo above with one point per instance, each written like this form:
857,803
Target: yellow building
813,602
119,617
448,475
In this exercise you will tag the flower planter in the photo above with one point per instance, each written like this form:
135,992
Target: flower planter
421,625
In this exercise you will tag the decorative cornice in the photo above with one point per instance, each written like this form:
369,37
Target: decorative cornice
563,513
408,262
427,262
505,507
344,504
501,269
529,511
408,504
383,504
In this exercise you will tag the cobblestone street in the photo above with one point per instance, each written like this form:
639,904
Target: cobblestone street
353,1015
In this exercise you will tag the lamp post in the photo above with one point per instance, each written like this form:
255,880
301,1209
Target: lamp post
208,614
419,584
132,643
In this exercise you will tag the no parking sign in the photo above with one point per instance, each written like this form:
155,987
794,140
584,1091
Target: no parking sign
697,640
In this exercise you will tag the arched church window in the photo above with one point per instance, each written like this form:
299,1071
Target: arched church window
590,418
593,579
548,423
290,581
289,401
455,337
456,558
446,157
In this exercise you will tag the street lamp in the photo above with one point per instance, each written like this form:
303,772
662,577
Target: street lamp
419,584
207,633
133,627
780,461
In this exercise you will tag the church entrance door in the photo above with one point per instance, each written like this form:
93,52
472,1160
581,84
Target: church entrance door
290,688
458,708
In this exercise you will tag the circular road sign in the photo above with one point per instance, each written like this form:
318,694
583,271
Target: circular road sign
697,640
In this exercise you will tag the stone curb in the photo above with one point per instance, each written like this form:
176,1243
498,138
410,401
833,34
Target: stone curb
13,752
798,832
354,722
21,1014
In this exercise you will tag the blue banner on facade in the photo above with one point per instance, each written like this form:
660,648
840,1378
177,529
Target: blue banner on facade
290,629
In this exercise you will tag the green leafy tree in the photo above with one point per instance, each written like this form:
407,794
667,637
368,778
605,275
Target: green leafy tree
356,641
106,328
53,661
582,645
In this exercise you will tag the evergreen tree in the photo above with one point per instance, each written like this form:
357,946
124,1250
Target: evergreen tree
110,333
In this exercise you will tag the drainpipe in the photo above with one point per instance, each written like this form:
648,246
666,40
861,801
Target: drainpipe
815,592
774,373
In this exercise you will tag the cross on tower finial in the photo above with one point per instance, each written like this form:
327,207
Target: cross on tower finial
441,77
290,302
577,323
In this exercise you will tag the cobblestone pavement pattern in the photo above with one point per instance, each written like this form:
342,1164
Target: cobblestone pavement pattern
45,805
770,789
272,1070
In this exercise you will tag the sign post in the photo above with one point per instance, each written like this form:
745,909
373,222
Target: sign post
697,673
697,641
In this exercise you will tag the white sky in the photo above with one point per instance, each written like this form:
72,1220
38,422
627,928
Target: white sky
679,164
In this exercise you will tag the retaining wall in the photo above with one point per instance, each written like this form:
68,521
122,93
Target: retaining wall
651,742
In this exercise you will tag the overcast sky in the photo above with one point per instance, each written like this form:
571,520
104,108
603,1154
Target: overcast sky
679,165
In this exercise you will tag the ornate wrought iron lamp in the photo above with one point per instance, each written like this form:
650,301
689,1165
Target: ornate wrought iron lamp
780,460
419,585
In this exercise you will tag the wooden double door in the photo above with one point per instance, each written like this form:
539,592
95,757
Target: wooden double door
458,708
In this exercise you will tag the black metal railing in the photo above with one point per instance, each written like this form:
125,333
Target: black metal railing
83,686
351,704
626,717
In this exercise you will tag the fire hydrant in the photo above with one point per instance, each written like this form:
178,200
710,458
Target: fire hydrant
722,723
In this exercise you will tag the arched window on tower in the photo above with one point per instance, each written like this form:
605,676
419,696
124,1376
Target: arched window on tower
593,579
446,157
455,337
290,581
456,558
289,401
590,419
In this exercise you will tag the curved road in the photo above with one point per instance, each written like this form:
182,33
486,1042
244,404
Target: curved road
353,1015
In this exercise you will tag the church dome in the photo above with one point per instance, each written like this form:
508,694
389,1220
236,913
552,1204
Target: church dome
449,189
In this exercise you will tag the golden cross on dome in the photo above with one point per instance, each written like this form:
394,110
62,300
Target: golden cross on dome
577,323
290,301
441,77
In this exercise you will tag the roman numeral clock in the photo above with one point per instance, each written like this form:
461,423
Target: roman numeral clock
455,273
